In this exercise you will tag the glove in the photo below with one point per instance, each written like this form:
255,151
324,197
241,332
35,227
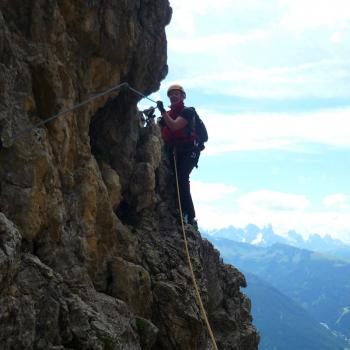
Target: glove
160,106
161,121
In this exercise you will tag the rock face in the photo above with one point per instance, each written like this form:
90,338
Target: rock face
91,252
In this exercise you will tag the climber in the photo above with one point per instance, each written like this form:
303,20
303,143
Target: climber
178,132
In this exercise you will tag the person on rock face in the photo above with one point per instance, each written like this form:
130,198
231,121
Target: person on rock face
178,132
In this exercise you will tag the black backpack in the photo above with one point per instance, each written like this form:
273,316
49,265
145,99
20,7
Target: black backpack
200,130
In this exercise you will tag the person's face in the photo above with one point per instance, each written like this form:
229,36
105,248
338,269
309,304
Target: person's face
176,96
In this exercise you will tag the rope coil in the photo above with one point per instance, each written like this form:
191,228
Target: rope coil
195,286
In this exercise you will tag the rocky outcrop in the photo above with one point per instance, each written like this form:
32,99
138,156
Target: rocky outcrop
91,253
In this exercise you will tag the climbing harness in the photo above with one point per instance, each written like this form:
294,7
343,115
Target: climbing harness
121,86
195,286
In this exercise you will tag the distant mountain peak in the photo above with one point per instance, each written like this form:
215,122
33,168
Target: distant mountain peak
266,237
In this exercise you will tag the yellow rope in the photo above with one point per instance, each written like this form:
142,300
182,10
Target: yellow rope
198,296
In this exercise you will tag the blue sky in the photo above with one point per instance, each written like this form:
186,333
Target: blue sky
271,80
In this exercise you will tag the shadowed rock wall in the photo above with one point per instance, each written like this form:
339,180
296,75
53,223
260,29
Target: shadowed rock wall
91,253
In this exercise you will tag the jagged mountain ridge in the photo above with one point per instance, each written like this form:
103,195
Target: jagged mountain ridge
91,254
318,283
284,324
266,237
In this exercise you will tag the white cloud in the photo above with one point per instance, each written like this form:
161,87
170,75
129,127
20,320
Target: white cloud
265,200
296,81
303,14
263,59
333,223
330,127
185,13
284,211
209,192
336,37
208,43
180,7
338,200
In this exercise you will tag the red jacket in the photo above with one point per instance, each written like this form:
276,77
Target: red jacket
183,135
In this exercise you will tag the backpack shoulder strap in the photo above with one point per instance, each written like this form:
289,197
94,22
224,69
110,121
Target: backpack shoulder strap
191,127
189,108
